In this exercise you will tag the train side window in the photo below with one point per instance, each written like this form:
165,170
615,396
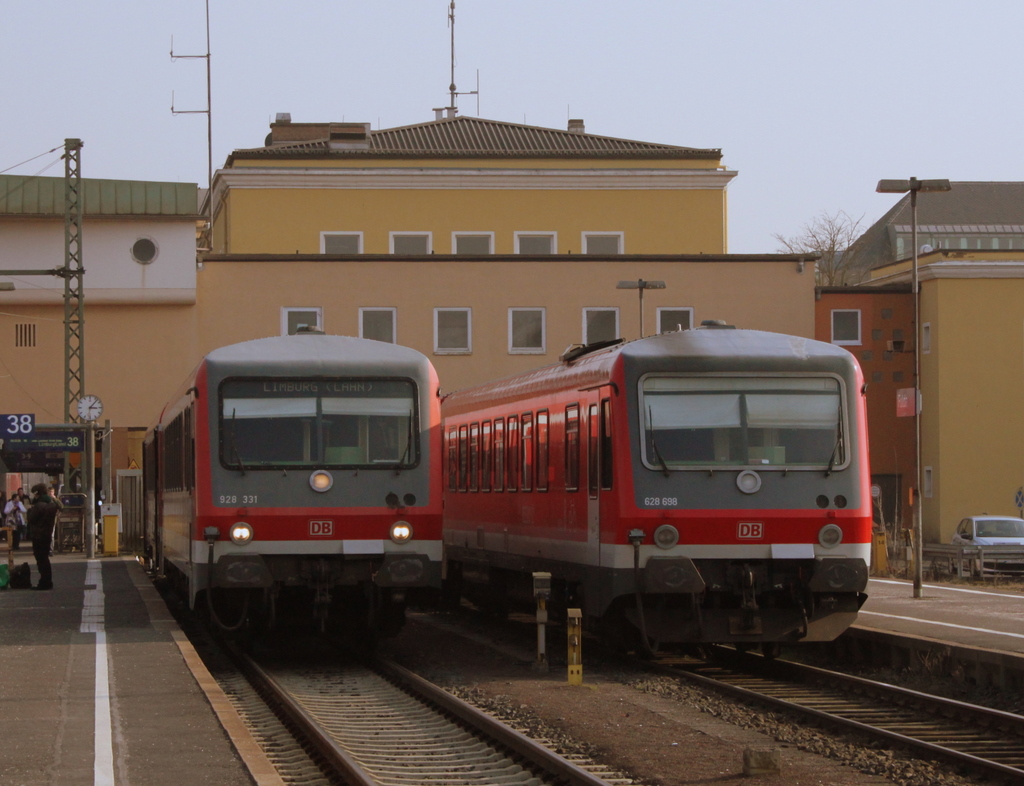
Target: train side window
453,461
474,457
486,456
593,432
572,447
499,454
513,457
606,443
542,450
463,458
527,430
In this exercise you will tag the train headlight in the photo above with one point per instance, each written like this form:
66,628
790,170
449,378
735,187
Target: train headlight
241,533
666,536
321,480
401,532
830,536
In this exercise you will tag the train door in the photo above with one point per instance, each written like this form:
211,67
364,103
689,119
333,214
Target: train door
593,486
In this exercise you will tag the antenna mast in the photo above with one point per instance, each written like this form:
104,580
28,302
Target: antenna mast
207,111
453,108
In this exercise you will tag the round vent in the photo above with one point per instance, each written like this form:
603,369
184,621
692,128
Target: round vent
144,250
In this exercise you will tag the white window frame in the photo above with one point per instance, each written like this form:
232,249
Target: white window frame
832,327
543,348
428,235
588,309
325,235
468,349
394,320
585,235
466,233
673,308
552,235
926,338
286,310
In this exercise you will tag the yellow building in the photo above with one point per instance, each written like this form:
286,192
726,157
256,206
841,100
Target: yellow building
488,246
467,186
972,382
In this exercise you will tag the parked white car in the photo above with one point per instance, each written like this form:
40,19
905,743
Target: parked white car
990,531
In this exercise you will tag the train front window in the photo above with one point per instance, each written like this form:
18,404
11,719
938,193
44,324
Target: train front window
692,422
267,423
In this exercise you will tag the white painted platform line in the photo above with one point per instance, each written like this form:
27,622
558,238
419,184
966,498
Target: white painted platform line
942,624
93,622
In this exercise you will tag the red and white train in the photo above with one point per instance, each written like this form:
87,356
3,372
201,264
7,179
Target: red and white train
702,486
301,475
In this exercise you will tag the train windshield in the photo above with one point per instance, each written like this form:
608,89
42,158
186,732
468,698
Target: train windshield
692,422
268,423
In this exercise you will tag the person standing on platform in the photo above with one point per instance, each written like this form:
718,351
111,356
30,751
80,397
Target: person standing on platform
41,518
14,517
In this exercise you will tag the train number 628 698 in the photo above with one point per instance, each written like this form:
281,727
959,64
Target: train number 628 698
661,502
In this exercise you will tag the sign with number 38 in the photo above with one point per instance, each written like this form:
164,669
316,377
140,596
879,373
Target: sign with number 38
17,425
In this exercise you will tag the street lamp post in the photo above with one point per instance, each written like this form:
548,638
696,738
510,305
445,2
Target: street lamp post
640,284
913,186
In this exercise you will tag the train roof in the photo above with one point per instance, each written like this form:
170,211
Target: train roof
317,354
699,350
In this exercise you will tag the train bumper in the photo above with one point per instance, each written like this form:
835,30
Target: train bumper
242,571
408,570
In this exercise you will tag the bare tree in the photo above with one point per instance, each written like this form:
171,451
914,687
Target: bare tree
830,237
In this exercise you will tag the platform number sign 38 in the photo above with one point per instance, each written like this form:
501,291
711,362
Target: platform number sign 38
17,425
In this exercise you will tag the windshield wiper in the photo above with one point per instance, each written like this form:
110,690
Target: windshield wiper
234,447
408,449
654,444
838,446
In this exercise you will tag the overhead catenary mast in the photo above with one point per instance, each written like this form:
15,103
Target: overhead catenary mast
207,111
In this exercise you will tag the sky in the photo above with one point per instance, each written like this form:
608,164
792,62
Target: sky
810,101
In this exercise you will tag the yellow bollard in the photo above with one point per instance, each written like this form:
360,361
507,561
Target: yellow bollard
879,554
574,628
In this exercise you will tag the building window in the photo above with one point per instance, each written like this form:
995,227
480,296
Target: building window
602,243
877,376
453,331
377,324
535,242
473,243
876,335
927,480
673,319
867,356
410,242
846,326
526,331
897,376
600,324
926,337
886,313
295,319
25,335
341,242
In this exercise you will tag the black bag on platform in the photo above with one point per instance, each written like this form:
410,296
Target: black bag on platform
21,576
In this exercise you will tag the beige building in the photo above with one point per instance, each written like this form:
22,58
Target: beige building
972,381
490,247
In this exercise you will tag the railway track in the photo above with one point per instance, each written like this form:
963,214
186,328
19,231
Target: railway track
980,740
386,725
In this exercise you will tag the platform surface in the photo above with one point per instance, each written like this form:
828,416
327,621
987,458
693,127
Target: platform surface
95,689
975,616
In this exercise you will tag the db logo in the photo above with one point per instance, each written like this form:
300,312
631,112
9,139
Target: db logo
321,528
750,531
